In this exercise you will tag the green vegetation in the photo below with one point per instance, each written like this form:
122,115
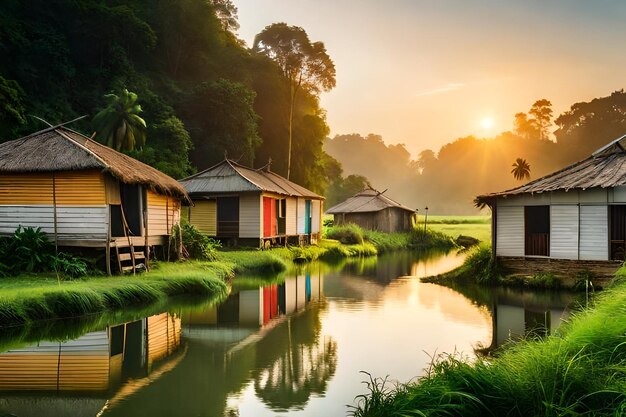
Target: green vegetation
478,227
30,297
196,245
202,92
385,242
30,250
579,372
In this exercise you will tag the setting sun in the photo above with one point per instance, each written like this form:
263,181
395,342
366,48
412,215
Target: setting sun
487,123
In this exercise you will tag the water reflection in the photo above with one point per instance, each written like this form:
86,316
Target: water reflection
287,348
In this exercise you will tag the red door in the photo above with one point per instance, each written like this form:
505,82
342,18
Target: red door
269,217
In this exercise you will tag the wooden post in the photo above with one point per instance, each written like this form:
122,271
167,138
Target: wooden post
54,208
179,249
147,246
108,244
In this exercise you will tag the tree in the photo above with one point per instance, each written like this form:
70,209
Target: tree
119,125
226,12
525,127
521,169
304,64
541,111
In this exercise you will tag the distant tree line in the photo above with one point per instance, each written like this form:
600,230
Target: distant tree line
448,180
202,91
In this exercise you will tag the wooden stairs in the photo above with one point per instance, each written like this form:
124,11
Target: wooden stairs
129,258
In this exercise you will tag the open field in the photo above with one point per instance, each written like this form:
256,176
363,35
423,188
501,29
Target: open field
478,227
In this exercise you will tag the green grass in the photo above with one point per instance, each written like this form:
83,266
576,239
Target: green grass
27,298
253,261
580,372
478,227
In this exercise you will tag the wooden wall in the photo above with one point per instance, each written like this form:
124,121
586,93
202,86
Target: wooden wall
578,223
203,215
250,215
163,213
28,200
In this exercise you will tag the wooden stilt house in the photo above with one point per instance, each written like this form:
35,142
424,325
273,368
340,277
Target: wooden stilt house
85,194
252,206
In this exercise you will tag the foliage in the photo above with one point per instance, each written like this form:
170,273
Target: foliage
197,244
521,169
27,298
119,125
30,250
349,234
69,265
343,188
201,90
304,64
580,371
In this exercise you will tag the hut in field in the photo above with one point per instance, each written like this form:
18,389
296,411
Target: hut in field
252,206
85,194
566,222
373,210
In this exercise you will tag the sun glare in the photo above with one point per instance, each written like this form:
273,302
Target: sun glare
487,123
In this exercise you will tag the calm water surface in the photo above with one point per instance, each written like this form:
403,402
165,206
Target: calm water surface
291,348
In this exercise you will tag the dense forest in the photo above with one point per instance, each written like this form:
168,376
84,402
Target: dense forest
203,93
447,181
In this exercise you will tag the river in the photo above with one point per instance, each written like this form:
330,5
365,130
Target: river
295,347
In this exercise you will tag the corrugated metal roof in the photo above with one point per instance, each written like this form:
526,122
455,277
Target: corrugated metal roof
229,177
368,200
605,168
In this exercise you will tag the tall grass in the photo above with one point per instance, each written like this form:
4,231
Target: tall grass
581,372
29,298
388,242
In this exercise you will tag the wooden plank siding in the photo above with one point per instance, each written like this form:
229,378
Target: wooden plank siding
300,215
594,232
203,215
250,215
316,216
564,231
510,232
163,213
291,218
73,223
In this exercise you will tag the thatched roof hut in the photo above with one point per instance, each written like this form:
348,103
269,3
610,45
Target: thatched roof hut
62,149
371,209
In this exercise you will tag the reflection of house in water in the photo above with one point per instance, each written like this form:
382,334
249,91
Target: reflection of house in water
98,363
519,314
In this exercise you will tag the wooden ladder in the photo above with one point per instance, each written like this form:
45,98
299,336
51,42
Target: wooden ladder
132,256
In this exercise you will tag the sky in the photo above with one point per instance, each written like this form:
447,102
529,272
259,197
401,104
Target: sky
425,72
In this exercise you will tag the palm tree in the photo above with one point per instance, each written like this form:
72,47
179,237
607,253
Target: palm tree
119,125
521,169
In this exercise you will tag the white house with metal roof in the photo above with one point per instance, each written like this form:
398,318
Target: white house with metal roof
576,214
255,206
373,210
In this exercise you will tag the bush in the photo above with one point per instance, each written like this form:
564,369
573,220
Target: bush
30,250
69,265
349,234
197,244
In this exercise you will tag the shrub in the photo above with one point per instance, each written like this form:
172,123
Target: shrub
197,244
349,234
30,250
69,265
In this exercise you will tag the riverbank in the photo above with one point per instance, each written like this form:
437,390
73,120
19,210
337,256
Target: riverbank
579,371
43,296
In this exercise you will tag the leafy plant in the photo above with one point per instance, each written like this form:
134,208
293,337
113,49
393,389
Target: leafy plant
69,265
349,234
30,250
197,245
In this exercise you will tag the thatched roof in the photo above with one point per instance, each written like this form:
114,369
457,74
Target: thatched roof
62,149
368,200
605,168
231,177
